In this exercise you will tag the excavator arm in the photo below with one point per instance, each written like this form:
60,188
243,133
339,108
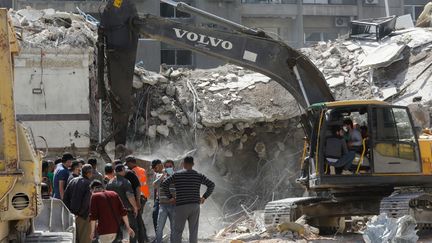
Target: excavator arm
239,45
270,57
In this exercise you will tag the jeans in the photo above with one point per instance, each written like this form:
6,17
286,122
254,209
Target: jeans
165,211
345,162
155,213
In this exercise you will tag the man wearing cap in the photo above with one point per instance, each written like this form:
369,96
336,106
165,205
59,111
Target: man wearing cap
77,200
61,175
142,194
123,188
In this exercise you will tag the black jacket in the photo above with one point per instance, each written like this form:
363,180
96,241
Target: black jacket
77,196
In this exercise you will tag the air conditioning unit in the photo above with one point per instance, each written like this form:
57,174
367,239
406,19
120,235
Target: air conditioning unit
371,2
341,21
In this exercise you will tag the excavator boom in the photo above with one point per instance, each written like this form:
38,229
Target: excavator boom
240,45
265,55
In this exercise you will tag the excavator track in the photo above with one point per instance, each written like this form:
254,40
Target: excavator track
276,212
416,204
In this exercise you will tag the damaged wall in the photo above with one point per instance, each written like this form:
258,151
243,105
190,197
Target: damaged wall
51,96
55,79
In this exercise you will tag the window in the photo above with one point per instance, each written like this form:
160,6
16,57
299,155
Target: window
392,124
312,37
343,2
315,1
168,11
176,57
413,10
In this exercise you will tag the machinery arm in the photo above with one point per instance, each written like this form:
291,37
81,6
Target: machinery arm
262,54
240,45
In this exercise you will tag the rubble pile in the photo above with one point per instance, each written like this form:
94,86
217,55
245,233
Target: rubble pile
240,126
228,100
339,62
251,228
394,69
51,28
381,228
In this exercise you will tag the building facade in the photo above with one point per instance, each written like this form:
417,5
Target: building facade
297,22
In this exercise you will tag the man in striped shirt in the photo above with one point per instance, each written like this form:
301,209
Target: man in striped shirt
187,184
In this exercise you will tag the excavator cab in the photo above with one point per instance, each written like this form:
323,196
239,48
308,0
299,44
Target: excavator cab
388,154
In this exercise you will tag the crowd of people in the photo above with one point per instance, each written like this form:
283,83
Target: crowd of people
109,207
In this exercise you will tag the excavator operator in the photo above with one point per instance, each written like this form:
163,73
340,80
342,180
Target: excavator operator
337,153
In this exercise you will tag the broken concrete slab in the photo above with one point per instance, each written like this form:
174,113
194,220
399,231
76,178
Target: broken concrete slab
404,22
336,81
383,55
163,130
388,92
353,47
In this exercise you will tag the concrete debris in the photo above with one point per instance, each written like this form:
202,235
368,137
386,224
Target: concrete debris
152,131
424,20
170,90
384,229
420,114
151,78
336,81
387,92
383,56
50,28
247,229
228,126
394,69
163,130
404,22
137,83
176,74
166,100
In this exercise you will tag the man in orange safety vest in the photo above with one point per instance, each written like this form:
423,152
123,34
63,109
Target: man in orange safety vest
141,173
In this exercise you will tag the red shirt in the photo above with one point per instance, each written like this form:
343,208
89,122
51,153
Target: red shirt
101,211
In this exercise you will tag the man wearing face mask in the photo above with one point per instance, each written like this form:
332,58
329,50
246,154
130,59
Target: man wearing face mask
157,168
166,208
354,137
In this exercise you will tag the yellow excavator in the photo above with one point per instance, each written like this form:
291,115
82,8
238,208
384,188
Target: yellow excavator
392,167
21,216
20,172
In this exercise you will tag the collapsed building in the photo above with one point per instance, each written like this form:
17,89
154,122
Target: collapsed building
242,127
